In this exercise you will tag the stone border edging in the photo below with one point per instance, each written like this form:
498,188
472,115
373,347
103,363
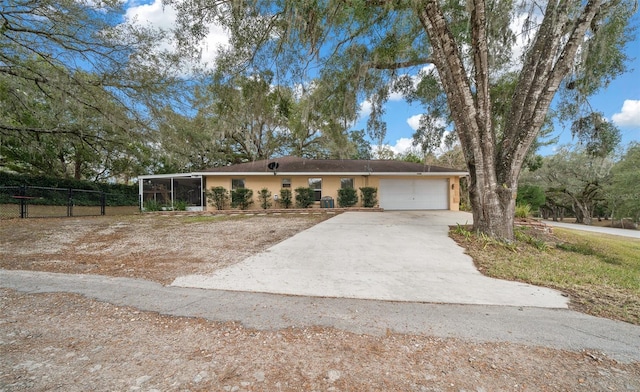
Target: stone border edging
272,211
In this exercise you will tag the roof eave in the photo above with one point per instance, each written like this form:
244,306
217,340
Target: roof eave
170,175
425,174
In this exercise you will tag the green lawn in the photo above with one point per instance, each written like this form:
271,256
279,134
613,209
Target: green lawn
600,273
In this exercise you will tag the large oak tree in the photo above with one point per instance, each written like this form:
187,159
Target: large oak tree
78,86
624,191
573,179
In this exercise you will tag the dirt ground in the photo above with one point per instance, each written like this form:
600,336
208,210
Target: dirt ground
67,342
153,247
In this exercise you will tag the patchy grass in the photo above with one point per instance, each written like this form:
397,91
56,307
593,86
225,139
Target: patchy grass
600,273
214,218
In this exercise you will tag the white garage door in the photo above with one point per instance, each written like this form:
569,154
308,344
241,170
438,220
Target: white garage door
414,194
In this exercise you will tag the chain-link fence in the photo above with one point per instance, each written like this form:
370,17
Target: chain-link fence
40,202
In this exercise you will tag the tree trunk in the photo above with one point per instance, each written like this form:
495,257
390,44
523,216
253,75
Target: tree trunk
582,210
585,213
495,160
493,211
578,213
77,169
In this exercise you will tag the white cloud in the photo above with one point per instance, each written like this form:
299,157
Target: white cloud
522,38
428,68
402,145
414,121
395,96
157,15
365,109
524,26
303,89
154,14
629,116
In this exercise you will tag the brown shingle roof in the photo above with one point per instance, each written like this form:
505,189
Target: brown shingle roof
291,164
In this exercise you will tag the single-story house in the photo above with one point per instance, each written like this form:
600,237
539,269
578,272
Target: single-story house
401,185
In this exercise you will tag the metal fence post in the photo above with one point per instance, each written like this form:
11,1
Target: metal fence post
70,203
103,203
23,201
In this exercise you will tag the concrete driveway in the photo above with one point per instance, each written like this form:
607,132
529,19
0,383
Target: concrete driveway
396,256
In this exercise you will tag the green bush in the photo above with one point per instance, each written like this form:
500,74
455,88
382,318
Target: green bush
523,211
347,197
265,198
532,195
241,198
369,194
219,197
152,205
179,205
285,198
305,197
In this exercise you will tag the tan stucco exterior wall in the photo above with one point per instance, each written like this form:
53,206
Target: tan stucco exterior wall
330,185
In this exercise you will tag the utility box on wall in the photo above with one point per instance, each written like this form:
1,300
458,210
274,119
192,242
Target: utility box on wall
326,202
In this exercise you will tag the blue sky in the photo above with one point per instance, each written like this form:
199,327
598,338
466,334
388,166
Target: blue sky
620,101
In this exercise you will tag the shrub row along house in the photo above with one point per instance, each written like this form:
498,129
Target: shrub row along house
391,185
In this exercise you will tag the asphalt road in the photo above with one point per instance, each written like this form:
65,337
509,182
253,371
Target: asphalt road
556,328
596,229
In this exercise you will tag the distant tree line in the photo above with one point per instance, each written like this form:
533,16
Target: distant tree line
573,182
116,194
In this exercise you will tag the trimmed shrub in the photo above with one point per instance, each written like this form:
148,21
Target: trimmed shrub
285,198
369,194
265,198
347,197
305,197
241,198
219,197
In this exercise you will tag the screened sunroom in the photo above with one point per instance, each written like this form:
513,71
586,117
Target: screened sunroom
171,192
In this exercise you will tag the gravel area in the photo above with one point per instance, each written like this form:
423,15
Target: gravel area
68,342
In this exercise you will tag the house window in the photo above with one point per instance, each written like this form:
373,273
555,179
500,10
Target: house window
316,185
237,183
286,183
346,183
